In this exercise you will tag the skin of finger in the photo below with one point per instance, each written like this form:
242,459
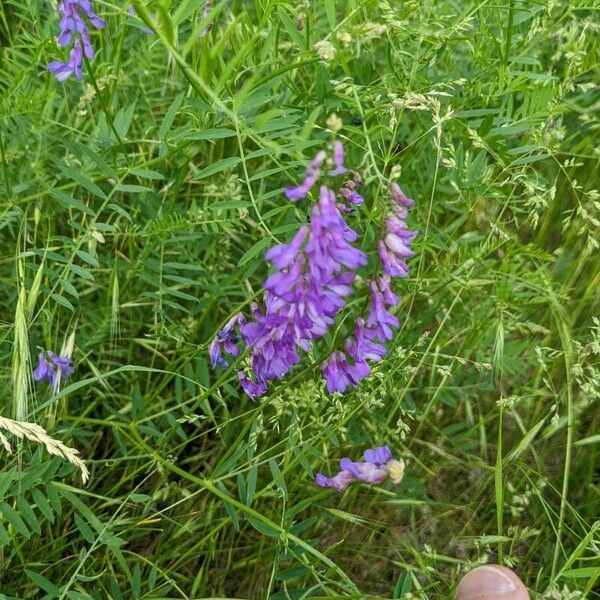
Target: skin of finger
466,589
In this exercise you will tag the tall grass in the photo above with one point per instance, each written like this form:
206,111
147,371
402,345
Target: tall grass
135,208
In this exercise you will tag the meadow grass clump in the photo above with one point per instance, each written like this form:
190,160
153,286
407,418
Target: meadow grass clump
136,209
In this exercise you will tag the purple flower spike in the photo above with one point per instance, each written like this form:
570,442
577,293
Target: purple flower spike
52,368
379,464
395,248
366,346
72,24
338,159
311,278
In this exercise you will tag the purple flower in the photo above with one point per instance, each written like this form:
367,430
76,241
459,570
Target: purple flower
379,464
378,456
351,196
228,339
338,160
43,370
398,196
313,276
385,286
341,370
52,368
214,351
73,24
337,373
362,348
380,322
365,471
395,248
338,482
253,390
310,178
63,71
283,254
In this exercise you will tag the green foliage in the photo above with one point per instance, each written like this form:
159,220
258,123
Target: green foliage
135,208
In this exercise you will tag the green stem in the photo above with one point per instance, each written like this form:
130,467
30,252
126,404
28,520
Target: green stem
509,27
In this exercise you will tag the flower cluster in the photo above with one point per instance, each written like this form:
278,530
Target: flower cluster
349,191
379,464
52,368
312,279
345,369
394,249
73,25
313,276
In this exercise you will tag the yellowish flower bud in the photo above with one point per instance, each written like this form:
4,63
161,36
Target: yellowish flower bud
396,470
334,122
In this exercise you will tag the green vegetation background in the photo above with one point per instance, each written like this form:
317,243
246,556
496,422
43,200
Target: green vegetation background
134,211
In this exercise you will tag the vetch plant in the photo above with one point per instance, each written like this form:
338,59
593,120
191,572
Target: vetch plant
313,277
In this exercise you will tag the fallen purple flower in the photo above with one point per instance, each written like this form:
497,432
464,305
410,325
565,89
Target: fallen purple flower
378,465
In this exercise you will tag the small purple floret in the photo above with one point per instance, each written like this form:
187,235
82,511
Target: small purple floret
338,482
310,179
338,160
228,339
52,368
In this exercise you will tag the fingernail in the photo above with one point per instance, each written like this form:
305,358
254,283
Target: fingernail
484,582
